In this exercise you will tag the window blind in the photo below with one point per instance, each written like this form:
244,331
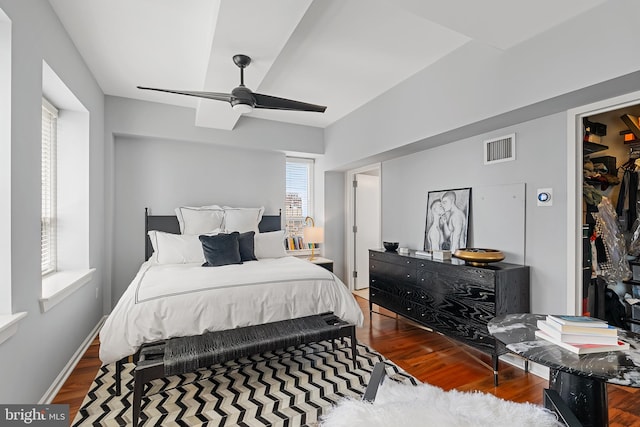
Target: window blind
299,194
48,191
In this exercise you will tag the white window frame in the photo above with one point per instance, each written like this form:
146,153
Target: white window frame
310,194
72,270
48,220
8,319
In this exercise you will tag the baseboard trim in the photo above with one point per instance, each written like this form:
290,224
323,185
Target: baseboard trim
70,366
535,368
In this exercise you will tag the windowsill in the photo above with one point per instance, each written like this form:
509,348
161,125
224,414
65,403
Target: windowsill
58,286
300,252
9,325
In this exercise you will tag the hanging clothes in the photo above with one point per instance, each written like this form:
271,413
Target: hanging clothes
632,211
626,205
622,195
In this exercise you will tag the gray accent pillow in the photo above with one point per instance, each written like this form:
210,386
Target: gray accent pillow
221,249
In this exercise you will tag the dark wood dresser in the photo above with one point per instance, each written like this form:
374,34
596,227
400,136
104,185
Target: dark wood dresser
450,297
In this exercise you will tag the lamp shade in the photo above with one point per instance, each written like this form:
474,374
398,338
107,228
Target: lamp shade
313,234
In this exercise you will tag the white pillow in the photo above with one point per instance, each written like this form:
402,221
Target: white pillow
269,245
242,219
169,248
199,220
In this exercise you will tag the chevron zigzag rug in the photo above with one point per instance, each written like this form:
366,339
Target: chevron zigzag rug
293,387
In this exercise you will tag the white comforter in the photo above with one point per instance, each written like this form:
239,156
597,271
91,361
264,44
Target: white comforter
171,300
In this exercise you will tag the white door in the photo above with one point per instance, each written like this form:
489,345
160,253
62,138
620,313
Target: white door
367,224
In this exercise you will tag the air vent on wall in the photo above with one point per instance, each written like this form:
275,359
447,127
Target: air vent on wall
501,149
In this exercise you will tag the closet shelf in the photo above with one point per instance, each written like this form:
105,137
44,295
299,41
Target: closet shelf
599,184
593,147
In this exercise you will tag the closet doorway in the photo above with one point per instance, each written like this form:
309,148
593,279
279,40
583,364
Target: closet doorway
611,167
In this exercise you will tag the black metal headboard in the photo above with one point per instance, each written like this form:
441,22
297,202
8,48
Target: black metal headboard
169,224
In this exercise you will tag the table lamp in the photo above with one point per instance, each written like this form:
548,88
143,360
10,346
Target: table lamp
312,235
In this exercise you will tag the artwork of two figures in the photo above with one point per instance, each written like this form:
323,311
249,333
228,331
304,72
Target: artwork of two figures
447,219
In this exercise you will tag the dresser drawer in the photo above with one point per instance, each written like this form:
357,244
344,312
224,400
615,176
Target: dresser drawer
455,327
393,271
385,299
394,287
461,274
443,282
393,258
477,304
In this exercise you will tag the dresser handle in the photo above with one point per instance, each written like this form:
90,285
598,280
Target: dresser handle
408,292
422,280
408,262
408,308
373,280
408,276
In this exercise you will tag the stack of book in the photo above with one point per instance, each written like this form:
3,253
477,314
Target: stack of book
580,334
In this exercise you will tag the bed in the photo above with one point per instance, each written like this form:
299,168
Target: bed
167,299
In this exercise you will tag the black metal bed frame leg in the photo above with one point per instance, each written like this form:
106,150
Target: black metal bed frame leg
495,359
526,366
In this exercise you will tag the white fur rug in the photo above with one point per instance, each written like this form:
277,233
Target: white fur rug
406,405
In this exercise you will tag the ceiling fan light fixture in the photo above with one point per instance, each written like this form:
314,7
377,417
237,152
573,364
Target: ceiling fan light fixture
243,108
243,100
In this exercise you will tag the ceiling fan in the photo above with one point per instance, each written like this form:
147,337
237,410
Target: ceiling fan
243,99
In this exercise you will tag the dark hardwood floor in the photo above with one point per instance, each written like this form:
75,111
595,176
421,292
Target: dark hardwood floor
427,356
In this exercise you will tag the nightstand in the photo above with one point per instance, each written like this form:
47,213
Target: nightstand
322,262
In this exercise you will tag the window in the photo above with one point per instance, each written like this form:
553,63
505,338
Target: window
299,197
65,192
48,192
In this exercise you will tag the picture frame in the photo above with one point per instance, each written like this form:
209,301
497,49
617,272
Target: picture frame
447,221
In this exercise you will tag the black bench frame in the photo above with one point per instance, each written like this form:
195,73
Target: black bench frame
151,360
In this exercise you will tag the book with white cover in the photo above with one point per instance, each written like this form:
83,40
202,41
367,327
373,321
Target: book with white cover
589,322
577,338
570,329
425,254
583,348
441,255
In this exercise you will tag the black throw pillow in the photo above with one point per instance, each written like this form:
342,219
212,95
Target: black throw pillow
246,243
221,249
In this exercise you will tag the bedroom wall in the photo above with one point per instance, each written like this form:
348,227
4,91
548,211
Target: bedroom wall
249,162
45,342
407,180
164,174
334,221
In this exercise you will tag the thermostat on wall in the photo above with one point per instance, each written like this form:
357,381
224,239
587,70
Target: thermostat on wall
545,197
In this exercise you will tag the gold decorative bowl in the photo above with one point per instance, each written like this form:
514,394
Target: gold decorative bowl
479,256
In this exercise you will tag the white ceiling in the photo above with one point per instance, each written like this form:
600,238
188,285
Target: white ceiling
338,53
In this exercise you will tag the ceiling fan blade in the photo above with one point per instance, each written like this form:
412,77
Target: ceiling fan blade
275,103
209,95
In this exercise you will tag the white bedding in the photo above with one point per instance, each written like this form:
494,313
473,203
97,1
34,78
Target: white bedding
170,300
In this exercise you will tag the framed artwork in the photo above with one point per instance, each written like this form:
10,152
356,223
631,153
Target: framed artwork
447,222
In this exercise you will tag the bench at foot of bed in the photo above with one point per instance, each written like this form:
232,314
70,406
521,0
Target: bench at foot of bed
186,354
